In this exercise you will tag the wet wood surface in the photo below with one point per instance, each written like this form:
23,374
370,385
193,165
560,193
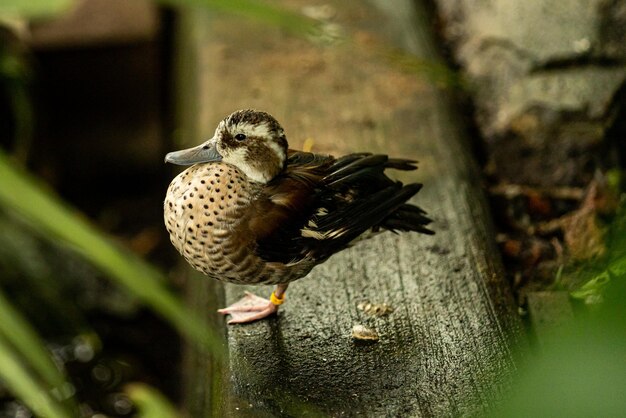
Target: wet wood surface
447,343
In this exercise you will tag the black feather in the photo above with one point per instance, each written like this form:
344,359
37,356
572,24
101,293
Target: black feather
347,197
408,218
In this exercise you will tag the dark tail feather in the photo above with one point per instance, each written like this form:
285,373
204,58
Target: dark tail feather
356,168
384,209
396,163
389,201
401,164
370,213
364,167
347,159
408,218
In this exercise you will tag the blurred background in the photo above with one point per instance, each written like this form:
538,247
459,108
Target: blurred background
85,96
90,314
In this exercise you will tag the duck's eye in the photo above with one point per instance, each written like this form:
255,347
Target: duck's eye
240,137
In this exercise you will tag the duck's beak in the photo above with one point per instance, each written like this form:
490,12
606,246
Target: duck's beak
203,153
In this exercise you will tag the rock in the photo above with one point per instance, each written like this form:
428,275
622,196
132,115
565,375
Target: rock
546,75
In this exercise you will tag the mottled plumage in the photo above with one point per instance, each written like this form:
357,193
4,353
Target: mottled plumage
250,211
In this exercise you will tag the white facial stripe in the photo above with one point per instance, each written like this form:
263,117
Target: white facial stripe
280,153
260,130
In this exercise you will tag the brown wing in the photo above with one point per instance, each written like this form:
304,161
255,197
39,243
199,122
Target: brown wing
319,204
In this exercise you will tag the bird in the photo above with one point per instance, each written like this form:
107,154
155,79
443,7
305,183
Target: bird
251,211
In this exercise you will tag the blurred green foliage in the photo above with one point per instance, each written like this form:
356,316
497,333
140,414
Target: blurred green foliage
595,275
28,369
581,372
51,218
33,9
258,10
581,369
26,385
150,403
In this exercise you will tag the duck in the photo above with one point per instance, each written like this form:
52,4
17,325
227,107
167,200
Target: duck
249,210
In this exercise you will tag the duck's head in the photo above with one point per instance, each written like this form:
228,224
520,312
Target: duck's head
250,140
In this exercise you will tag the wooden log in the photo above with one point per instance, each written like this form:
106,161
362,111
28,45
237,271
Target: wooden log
448,345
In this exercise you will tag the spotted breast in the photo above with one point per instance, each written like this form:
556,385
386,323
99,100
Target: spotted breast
206,215
203,205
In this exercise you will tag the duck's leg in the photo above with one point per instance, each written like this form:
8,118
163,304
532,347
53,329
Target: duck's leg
252,307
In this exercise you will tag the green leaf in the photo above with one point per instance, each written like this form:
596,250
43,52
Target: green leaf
612,268
50,217
22,383
150,402
18,332
31,9
591,291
